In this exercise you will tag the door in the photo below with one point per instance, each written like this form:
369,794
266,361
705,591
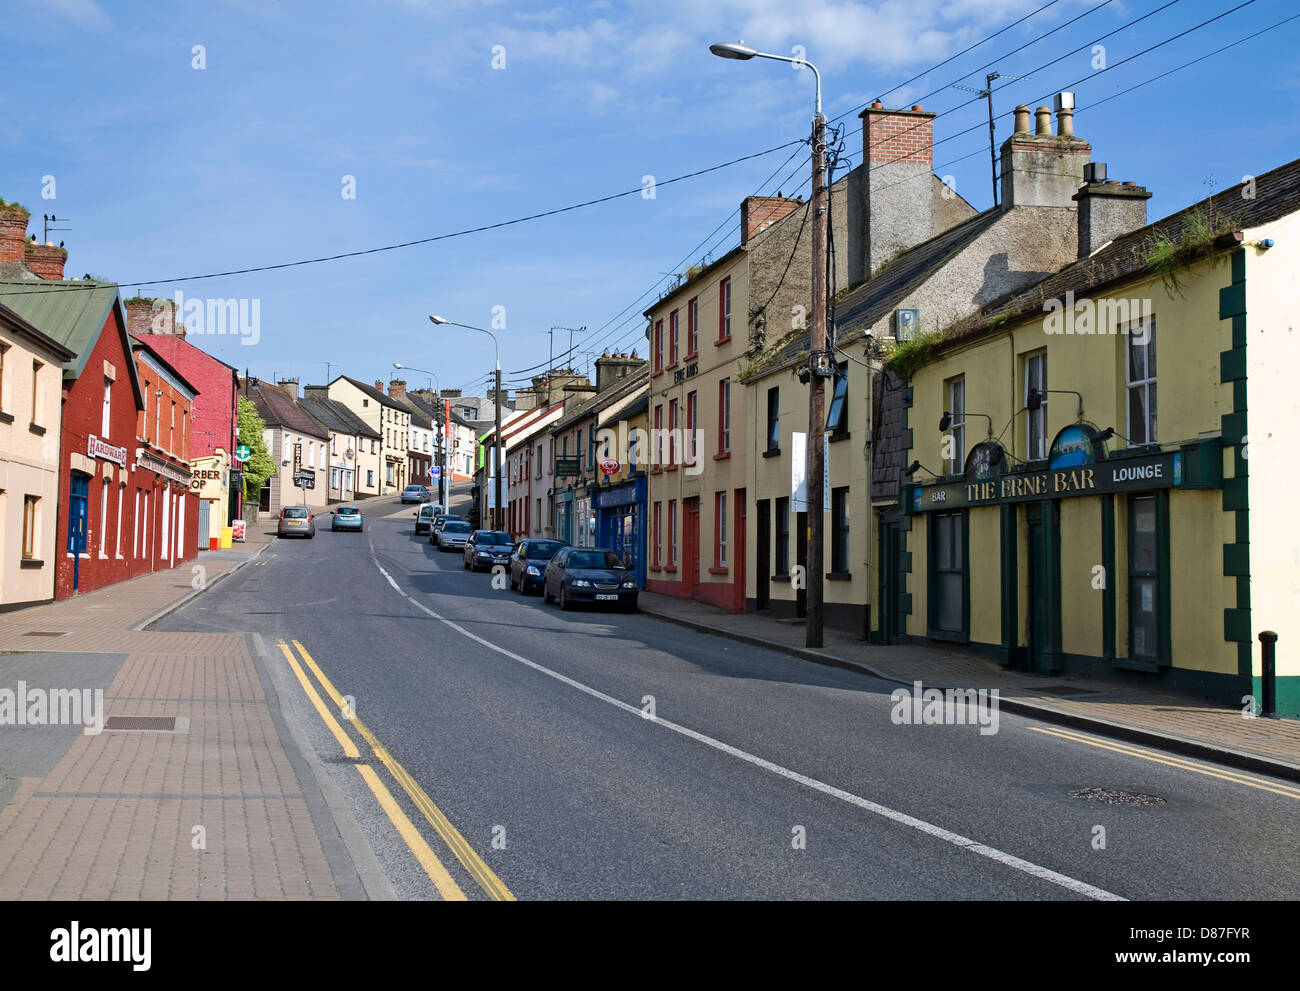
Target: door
690,545
891,580
740,553
763,579
1043,634
78,498
801,560
205,522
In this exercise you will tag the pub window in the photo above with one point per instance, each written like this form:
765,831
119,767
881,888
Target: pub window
1036,420
1144,578
783,535
837,415
774,418
956,439
1141,364
947,555
840,529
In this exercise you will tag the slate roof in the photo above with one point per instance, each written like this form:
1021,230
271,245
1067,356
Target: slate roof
373,393
891,440
336,416
278,410
428,409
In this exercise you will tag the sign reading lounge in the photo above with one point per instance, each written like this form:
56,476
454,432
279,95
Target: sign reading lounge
1077,466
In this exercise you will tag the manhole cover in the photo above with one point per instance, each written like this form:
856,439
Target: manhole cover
1112,796
44,633
141,722
1067,690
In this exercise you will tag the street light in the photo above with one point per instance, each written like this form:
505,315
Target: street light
820,361
498,466
437,415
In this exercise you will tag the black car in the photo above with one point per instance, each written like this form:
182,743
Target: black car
486,548
589,574
528,563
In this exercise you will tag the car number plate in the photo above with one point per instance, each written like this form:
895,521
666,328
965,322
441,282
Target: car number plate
601,597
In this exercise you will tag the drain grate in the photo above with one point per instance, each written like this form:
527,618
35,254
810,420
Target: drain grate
141,722
1067,690
44,633
1112,796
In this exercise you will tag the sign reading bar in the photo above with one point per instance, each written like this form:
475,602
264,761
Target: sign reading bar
97,448
1158,471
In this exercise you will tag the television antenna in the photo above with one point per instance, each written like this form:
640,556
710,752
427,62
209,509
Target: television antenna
987,94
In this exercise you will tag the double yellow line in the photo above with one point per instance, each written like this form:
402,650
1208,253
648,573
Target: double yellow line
1211,771
482,874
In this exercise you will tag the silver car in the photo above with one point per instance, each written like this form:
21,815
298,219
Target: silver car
295,521
453,536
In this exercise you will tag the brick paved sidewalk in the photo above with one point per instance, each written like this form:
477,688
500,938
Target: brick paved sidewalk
216,807
1146,715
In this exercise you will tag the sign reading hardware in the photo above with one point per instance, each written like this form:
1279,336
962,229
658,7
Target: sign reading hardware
1159,471
97,448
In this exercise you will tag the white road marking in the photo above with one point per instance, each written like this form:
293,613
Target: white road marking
928,828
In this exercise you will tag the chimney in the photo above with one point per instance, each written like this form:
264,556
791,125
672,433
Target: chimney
46,260
289,387
611,368
152,316
898,207
450,394
1042,168
1108,209
397,389
13,232
757,213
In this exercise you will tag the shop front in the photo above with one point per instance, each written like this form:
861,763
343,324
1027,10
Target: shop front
620,522
209,483
1067,565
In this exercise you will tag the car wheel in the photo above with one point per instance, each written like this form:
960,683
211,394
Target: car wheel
546,594
565,604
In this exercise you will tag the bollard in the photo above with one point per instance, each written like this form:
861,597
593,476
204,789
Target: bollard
1268,650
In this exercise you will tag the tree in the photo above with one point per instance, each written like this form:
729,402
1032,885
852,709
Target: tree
259,466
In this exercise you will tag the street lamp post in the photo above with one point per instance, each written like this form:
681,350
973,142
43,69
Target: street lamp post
442,428
498,466
820,365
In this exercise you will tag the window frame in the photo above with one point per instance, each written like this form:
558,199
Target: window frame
1150,425
672,339
1039,415
724,417
724,310
840,529
720,530
31,528
693,327
957,427
840,395
774,419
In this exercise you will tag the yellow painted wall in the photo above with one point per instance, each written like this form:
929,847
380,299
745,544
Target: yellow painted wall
986,575
1199,591
1081,625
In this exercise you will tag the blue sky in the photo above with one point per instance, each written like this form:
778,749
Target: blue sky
167,170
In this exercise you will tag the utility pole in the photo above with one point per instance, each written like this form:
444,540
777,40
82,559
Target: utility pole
987,93
818,360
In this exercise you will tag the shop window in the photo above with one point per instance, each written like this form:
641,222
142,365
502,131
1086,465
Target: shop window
1142,382
840,530
947,567
1036,439
837,414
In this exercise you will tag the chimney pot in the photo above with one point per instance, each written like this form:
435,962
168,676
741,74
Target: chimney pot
877,105
917,108
1022,119
1043,120
1065,123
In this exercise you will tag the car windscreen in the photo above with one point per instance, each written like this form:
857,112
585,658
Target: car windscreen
454,527
295,513
543,549
348,511
594,559
494,537
426,511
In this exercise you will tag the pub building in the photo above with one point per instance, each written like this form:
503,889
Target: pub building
1078,501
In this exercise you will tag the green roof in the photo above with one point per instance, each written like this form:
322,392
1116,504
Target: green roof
71,312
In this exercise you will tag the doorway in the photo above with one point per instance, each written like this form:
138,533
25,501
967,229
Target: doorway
801,562
78,499
690,545
763,580
1044,594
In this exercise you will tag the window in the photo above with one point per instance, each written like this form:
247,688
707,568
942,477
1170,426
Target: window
672,339
693,327
36,392
1144,578
103,519
774,418
956,439
720,530
724,416
365,402
370,479
135,538
107,418
656,445
837,414
539,470
947,555
3,349
692,409
117,540
30,504
659,345
157,414
658,515
1142,382
724,310
334,443
374,445
672,533
783,535
840,529
171,431
672,433
1036,421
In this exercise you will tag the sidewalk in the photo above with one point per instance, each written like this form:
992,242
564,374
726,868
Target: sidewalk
1174,722
193,790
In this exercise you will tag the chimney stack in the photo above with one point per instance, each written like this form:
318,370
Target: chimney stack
289,387
396,389
1042,168
757,213
13,232
46,260
898,160
1108,209
152,316
613,368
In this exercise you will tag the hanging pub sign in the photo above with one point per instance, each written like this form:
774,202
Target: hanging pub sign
1077,466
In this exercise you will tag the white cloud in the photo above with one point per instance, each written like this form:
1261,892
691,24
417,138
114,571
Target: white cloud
86,13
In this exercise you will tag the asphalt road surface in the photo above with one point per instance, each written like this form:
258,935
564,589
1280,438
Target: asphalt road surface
603,755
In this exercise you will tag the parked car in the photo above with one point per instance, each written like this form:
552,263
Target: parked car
587,574
439,521
486,548
416,493
425,515
347,518
295,521
453,535
528,563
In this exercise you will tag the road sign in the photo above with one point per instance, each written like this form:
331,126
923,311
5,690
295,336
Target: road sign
435,471
243,452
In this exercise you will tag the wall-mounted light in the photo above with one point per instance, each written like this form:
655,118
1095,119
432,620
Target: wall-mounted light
1034,401
945,421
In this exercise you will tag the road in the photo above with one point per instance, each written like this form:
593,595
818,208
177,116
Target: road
602,755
